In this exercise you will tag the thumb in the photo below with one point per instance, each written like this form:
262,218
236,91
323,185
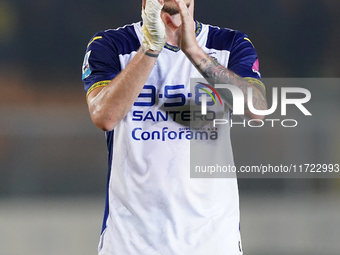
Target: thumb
168,21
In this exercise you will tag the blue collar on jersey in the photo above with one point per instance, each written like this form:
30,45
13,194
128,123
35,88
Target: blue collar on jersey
175,48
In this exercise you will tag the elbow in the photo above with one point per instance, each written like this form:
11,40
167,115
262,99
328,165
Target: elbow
104,125
258,114
104,116
254,117
258,118
104,122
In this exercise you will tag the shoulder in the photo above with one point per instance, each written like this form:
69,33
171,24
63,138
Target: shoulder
223,38
122,40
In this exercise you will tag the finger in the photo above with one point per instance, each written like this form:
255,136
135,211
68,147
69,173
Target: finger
144,3
183,9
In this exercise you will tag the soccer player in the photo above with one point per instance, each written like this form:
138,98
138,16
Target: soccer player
137,81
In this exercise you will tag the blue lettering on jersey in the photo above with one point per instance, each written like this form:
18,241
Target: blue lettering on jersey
174,115
138,134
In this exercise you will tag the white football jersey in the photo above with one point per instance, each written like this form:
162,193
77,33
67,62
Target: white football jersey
153,206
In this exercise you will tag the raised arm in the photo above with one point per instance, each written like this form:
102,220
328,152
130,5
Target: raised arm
213,71
218,74
109,104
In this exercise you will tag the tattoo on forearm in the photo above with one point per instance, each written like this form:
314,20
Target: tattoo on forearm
215,73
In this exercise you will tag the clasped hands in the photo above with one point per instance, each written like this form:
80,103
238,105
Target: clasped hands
159,27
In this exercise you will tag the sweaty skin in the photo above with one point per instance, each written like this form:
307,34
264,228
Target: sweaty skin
108,105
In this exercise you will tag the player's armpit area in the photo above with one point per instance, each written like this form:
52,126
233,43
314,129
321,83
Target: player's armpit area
97,85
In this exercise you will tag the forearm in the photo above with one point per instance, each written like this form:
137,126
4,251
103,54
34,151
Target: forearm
109,105
215,73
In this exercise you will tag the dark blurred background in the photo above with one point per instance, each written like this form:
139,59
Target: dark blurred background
53,159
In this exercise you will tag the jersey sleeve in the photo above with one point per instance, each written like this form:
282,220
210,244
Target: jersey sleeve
101,63
243,59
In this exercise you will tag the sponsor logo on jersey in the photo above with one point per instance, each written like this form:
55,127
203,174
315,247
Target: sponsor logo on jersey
203,98
86,66
182,134
210,94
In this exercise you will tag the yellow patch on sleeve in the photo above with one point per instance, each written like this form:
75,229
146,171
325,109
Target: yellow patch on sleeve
97,85
257,81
